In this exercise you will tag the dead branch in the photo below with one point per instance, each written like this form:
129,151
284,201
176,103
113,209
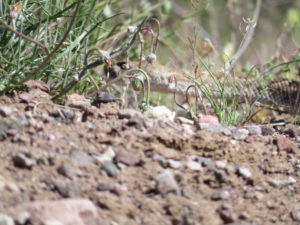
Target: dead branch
247,38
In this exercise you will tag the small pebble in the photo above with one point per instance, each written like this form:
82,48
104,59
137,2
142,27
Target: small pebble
227,213
80,158
23,161
110,168
205,161
161,113
108,155
282,183
105,97
106,187
68,189
67,170
221,164
220,195
254,129
166,183
240,134
174,164
5,111
127,158
22,218
194,166
244,172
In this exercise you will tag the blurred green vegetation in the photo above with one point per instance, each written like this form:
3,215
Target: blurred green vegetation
210,29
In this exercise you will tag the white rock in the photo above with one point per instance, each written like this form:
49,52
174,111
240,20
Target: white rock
282,183
5,110
195,166
244,172
6,220
108,155
161,113
220,164
174,164
22,217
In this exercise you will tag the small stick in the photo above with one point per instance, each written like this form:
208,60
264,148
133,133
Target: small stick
24,36
247,39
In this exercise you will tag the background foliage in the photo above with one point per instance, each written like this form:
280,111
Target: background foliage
218,26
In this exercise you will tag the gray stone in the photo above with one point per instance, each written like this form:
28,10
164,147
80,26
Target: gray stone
254,129
282,183
205,161
23,161
67,170
240,134
6,220
220,195
226,213
110,168
68,189
105,97
166,183
215,128
106,187
68,114
80,158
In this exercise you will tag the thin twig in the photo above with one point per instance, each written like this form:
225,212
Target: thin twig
24,36
247,39
156,21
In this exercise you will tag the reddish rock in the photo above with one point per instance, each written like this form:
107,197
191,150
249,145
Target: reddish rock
284,144
208,119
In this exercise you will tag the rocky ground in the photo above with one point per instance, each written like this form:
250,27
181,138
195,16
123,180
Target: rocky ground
105,165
